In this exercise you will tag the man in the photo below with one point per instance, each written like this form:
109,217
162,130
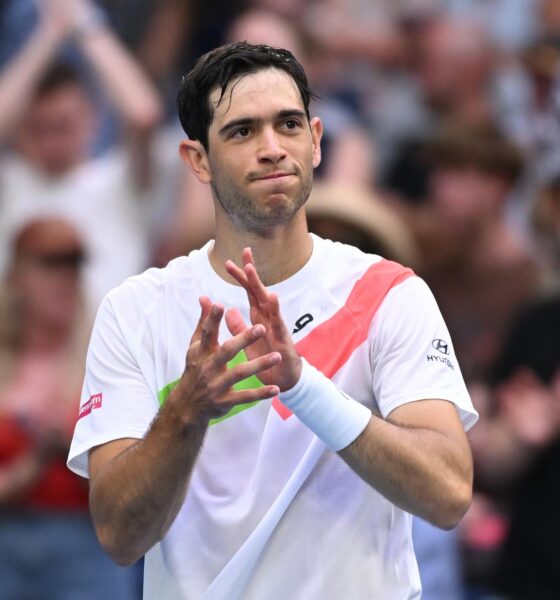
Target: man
49,123
223,471
480,268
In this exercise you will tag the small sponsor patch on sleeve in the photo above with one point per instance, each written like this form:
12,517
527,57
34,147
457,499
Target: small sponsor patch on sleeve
443,352
440,359
94,401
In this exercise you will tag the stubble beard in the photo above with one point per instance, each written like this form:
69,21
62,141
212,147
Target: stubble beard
248,215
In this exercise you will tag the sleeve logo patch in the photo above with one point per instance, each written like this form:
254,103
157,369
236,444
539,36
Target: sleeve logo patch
441,346
94,401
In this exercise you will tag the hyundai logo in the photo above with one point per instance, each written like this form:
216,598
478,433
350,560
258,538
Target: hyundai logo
441,346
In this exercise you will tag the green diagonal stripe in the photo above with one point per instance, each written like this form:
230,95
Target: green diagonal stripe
249,383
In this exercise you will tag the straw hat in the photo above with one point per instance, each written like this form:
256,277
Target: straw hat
361,210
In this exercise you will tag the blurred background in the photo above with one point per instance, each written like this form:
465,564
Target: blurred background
441,151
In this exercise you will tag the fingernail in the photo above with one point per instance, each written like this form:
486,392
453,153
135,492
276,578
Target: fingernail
258,330
275,358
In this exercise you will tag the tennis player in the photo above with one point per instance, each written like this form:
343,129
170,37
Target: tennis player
261,417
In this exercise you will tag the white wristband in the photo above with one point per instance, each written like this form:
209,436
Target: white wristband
332,415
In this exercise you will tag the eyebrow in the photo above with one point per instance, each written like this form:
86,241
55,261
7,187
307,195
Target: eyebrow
246,121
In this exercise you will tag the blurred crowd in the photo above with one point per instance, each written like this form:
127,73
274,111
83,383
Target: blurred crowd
441,151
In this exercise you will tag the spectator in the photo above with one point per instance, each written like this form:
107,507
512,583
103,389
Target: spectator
517,456
549,17
449,74
48,546
480,270
160,34
453,68
48,120
545,219
529,401
511,23
356,216
534,123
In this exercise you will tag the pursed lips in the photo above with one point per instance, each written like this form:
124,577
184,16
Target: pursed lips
272,176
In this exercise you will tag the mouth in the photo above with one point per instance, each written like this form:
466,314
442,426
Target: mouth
268,176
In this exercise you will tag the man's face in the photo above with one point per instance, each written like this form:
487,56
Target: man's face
449,65
465,197
57,131
262,150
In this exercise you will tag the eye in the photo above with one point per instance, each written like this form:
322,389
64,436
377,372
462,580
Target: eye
292,124
240,132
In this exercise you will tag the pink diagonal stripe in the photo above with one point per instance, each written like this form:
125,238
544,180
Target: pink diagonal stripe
332,343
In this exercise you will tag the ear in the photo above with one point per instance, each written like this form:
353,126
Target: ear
194,154
316,134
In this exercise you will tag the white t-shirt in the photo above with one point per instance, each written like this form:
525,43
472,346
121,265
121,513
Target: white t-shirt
270,512
98,198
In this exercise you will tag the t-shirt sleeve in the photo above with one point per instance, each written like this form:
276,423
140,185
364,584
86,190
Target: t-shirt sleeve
412,354
116,401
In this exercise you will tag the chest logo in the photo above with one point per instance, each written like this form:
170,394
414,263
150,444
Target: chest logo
302,322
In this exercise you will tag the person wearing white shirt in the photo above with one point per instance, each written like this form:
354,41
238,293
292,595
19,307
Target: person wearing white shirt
284,457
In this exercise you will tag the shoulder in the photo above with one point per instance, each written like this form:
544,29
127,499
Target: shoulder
410,298
371,270
362,282
141,294
411,289
341,261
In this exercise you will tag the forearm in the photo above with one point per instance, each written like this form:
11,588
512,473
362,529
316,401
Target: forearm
122,79
151,479
164,38
138,487
420,460
420,470
20,76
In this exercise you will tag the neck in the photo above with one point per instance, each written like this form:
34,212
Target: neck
279,252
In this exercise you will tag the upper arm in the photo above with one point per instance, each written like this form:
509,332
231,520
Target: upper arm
413,360
117,401
441,417
437,415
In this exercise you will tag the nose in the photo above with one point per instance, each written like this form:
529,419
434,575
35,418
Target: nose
270,146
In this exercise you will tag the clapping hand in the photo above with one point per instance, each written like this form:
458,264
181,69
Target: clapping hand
265,311
206,389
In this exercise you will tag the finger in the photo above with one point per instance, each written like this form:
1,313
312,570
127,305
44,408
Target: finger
247,369
205,308
234,345
277,325
250,268
256,285
236,272
211,327
241,278
235,322
247,256
236,397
